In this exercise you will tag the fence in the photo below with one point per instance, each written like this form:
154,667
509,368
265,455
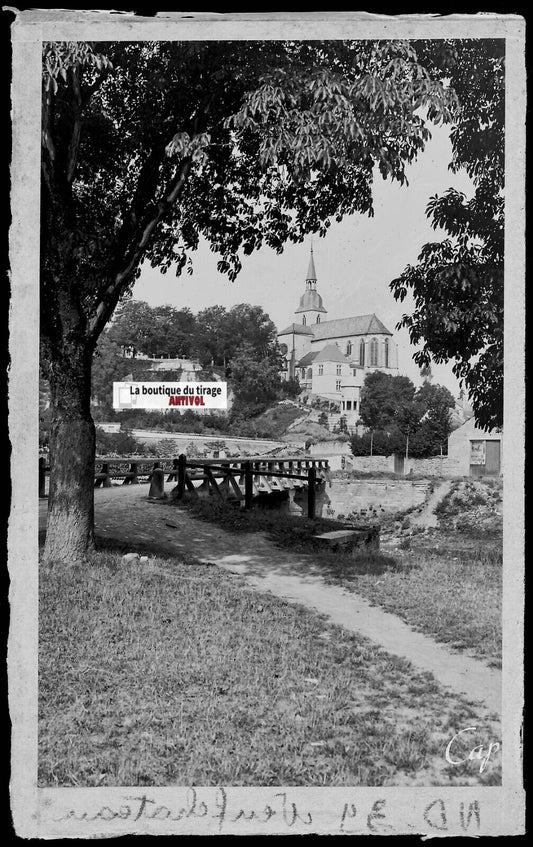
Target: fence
240,478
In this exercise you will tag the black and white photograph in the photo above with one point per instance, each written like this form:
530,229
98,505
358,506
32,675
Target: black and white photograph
267,388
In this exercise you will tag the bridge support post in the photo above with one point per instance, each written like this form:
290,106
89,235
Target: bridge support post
104,476
131,476
311,493
173,475
248,485
157,483
182,465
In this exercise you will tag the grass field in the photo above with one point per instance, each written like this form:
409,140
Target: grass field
443,583
169,673
452,592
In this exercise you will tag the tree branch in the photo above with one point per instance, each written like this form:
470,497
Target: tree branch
112,293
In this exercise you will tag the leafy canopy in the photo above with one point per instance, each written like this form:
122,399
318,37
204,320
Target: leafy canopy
457,284
149,146
394,411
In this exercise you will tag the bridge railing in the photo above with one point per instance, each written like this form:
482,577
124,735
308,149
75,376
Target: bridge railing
237,477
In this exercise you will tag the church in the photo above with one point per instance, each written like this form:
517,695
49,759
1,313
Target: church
330,358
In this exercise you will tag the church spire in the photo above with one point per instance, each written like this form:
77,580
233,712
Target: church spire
311,273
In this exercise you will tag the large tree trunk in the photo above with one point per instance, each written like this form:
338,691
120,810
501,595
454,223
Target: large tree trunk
70,527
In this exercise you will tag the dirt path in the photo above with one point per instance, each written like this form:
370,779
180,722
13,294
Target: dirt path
427,517
125,515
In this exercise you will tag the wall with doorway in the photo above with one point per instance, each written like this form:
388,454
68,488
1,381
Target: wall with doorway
473,452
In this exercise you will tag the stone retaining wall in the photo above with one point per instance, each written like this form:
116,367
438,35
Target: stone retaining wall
388,495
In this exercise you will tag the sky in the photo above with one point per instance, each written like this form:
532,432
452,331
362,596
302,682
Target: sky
354,263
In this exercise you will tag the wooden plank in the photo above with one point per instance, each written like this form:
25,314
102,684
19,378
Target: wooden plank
212,482
190,485
234,484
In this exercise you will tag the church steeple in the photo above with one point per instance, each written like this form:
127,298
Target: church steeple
311,302
311,273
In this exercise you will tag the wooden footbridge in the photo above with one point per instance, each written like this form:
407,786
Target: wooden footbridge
242,479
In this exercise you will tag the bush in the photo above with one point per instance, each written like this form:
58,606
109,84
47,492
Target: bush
382,444
119,443
290,388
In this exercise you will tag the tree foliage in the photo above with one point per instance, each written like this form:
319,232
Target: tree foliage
457,284
382,395
256,382
401,418
221,332
160,332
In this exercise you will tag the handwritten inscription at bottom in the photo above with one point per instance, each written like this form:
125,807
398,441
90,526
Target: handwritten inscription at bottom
280,812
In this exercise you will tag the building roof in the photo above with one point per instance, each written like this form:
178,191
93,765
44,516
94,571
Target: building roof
306,360
359,325
297,329
330,353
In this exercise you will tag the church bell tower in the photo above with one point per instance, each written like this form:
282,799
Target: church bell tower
311,307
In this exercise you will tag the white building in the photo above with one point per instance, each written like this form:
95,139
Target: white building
331,358
474,452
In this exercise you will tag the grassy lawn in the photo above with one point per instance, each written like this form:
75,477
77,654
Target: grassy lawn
443,582
169,672
450,591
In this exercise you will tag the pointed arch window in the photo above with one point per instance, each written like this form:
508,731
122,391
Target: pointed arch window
318,319
386,352
362,352
349,348
374,353
304,320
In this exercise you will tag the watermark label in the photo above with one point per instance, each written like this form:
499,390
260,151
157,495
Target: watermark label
170,395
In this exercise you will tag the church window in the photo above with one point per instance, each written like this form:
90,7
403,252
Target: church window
386,345
339,370
362,353
320,370
374,353
318,319
349,348
304,321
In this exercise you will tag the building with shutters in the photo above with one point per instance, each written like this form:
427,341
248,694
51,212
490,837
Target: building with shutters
330,358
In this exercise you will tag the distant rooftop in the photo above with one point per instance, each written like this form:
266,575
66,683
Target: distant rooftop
359,325
330,353
298,329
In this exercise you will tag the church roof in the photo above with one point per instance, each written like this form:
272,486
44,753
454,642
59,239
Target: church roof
298,329
330,353
359,325
310,300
